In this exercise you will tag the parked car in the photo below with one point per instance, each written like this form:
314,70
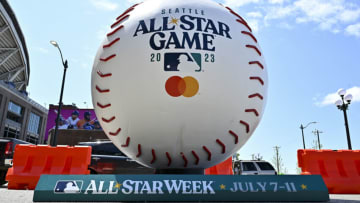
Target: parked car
253,168
106,158
7,147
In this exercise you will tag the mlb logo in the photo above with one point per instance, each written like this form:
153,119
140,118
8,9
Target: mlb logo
68,186
187,62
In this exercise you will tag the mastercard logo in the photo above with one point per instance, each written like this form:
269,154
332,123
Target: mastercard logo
177,86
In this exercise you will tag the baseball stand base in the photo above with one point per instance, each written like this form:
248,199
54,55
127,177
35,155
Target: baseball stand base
190,171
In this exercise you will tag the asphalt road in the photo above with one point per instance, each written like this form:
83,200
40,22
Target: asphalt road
26,196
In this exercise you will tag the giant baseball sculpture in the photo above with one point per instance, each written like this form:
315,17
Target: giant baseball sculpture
179,84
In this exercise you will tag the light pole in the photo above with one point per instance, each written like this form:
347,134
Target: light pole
302,131
343,105
65,64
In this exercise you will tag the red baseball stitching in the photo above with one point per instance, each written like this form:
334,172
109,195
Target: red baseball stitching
240,20
108,120
257,63
252,111
114,31
256,95
111,43
169,158
253,47
244,23
153,155
222,145
139,150
115,133
235,135
104,75
185,159
107,58
127,142
246,125
258,79
196,157
133,6
126,12
207,151
103,106
119,21
102,90
250,34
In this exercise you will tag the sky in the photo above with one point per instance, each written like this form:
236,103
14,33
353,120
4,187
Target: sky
311,49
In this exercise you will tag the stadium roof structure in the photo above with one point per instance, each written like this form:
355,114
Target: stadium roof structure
14,57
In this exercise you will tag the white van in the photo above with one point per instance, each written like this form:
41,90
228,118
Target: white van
253,168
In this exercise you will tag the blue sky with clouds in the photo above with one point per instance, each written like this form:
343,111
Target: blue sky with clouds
311,47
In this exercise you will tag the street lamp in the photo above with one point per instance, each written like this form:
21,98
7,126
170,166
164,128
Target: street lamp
65,64
302,131
343,105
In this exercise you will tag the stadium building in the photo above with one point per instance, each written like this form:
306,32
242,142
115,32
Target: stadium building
20,117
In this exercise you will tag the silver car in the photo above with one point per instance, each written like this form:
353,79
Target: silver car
253,168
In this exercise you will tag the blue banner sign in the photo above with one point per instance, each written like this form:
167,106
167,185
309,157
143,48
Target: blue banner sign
179,188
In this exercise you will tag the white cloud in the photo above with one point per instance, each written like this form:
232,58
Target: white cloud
349,15
331,98
336,16
254,24
104,5
254,14
42,50
238,3
276,1
353,30
279,12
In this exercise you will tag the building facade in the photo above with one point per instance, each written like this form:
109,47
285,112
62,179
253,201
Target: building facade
20,117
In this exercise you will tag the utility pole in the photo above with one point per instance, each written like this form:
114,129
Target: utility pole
317,133
277,158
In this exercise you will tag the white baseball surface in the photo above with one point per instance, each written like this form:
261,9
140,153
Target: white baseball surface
180,83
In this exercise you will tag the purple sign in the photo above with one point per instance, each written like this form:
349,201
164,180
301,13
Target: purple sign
72,118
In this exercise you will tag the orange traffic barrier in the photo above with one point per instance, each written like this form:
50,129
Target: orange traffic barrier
31,161
339,169
223,168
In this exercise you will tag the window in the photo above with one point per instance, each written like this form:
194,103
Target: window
32,139
34,123
14,108
265,166
11,132
14,112
249,166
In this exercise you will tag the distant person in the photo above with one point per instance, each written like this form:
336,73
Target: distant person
62,124
97,125
88,126
86,121
73,120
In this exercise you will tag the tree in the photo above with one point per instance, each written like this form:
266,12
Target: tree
315,145
278,162
256,157
237,156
